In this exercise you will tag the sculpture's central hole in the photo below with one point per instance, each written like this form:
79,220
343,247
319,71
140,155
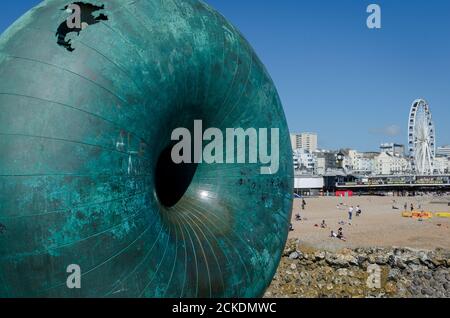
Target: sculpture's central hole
172,180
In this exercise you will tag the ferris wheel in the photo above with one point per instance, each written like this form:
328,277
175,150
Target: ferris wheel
421,138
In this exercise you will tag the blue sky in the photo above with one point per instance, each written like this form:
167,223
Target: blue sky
351,85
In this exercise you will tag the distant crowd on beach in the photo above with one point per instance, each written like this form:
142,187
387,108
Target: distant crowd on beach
352,211
411,206
347,214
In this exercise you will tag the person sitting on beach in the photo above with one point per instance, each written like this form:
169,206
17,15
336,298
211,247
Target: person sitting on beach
323,225
394,205
291,228
333,234
340,234
298,217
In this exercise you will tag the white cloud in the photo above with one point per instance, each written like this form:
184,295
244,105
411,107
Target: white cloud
390,131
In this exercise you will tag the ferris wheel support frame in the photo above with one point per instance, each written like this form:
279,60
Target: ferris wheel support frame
421,138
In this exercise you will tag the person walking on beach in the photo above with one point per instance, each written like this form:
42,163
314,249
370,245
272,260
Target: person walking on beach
412,207
303,204
350,214
406,206
358,211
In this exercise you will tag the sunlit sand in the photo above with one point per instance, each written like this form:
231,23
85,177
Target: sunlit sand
379,225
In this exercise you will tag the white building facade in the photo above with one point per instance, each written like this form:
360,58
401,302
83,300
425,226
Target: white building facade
441,165
443,151
360,162
304,160
390,164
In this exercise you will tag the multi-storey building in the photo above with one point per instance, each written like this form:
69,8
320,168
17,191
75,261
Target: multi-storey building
360,162
326,160
307,141
441,165
305,161
443,151
393,148
389,164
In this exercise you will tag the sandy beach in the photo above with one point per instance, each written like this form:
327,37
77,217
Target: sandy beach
378,226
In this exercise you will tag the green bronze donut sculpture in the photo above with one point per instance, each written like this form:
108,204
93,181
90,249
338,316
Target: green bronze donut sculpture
90,94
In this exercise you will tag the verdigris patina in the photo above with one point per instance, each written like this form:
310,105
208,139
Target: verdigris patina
83,133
